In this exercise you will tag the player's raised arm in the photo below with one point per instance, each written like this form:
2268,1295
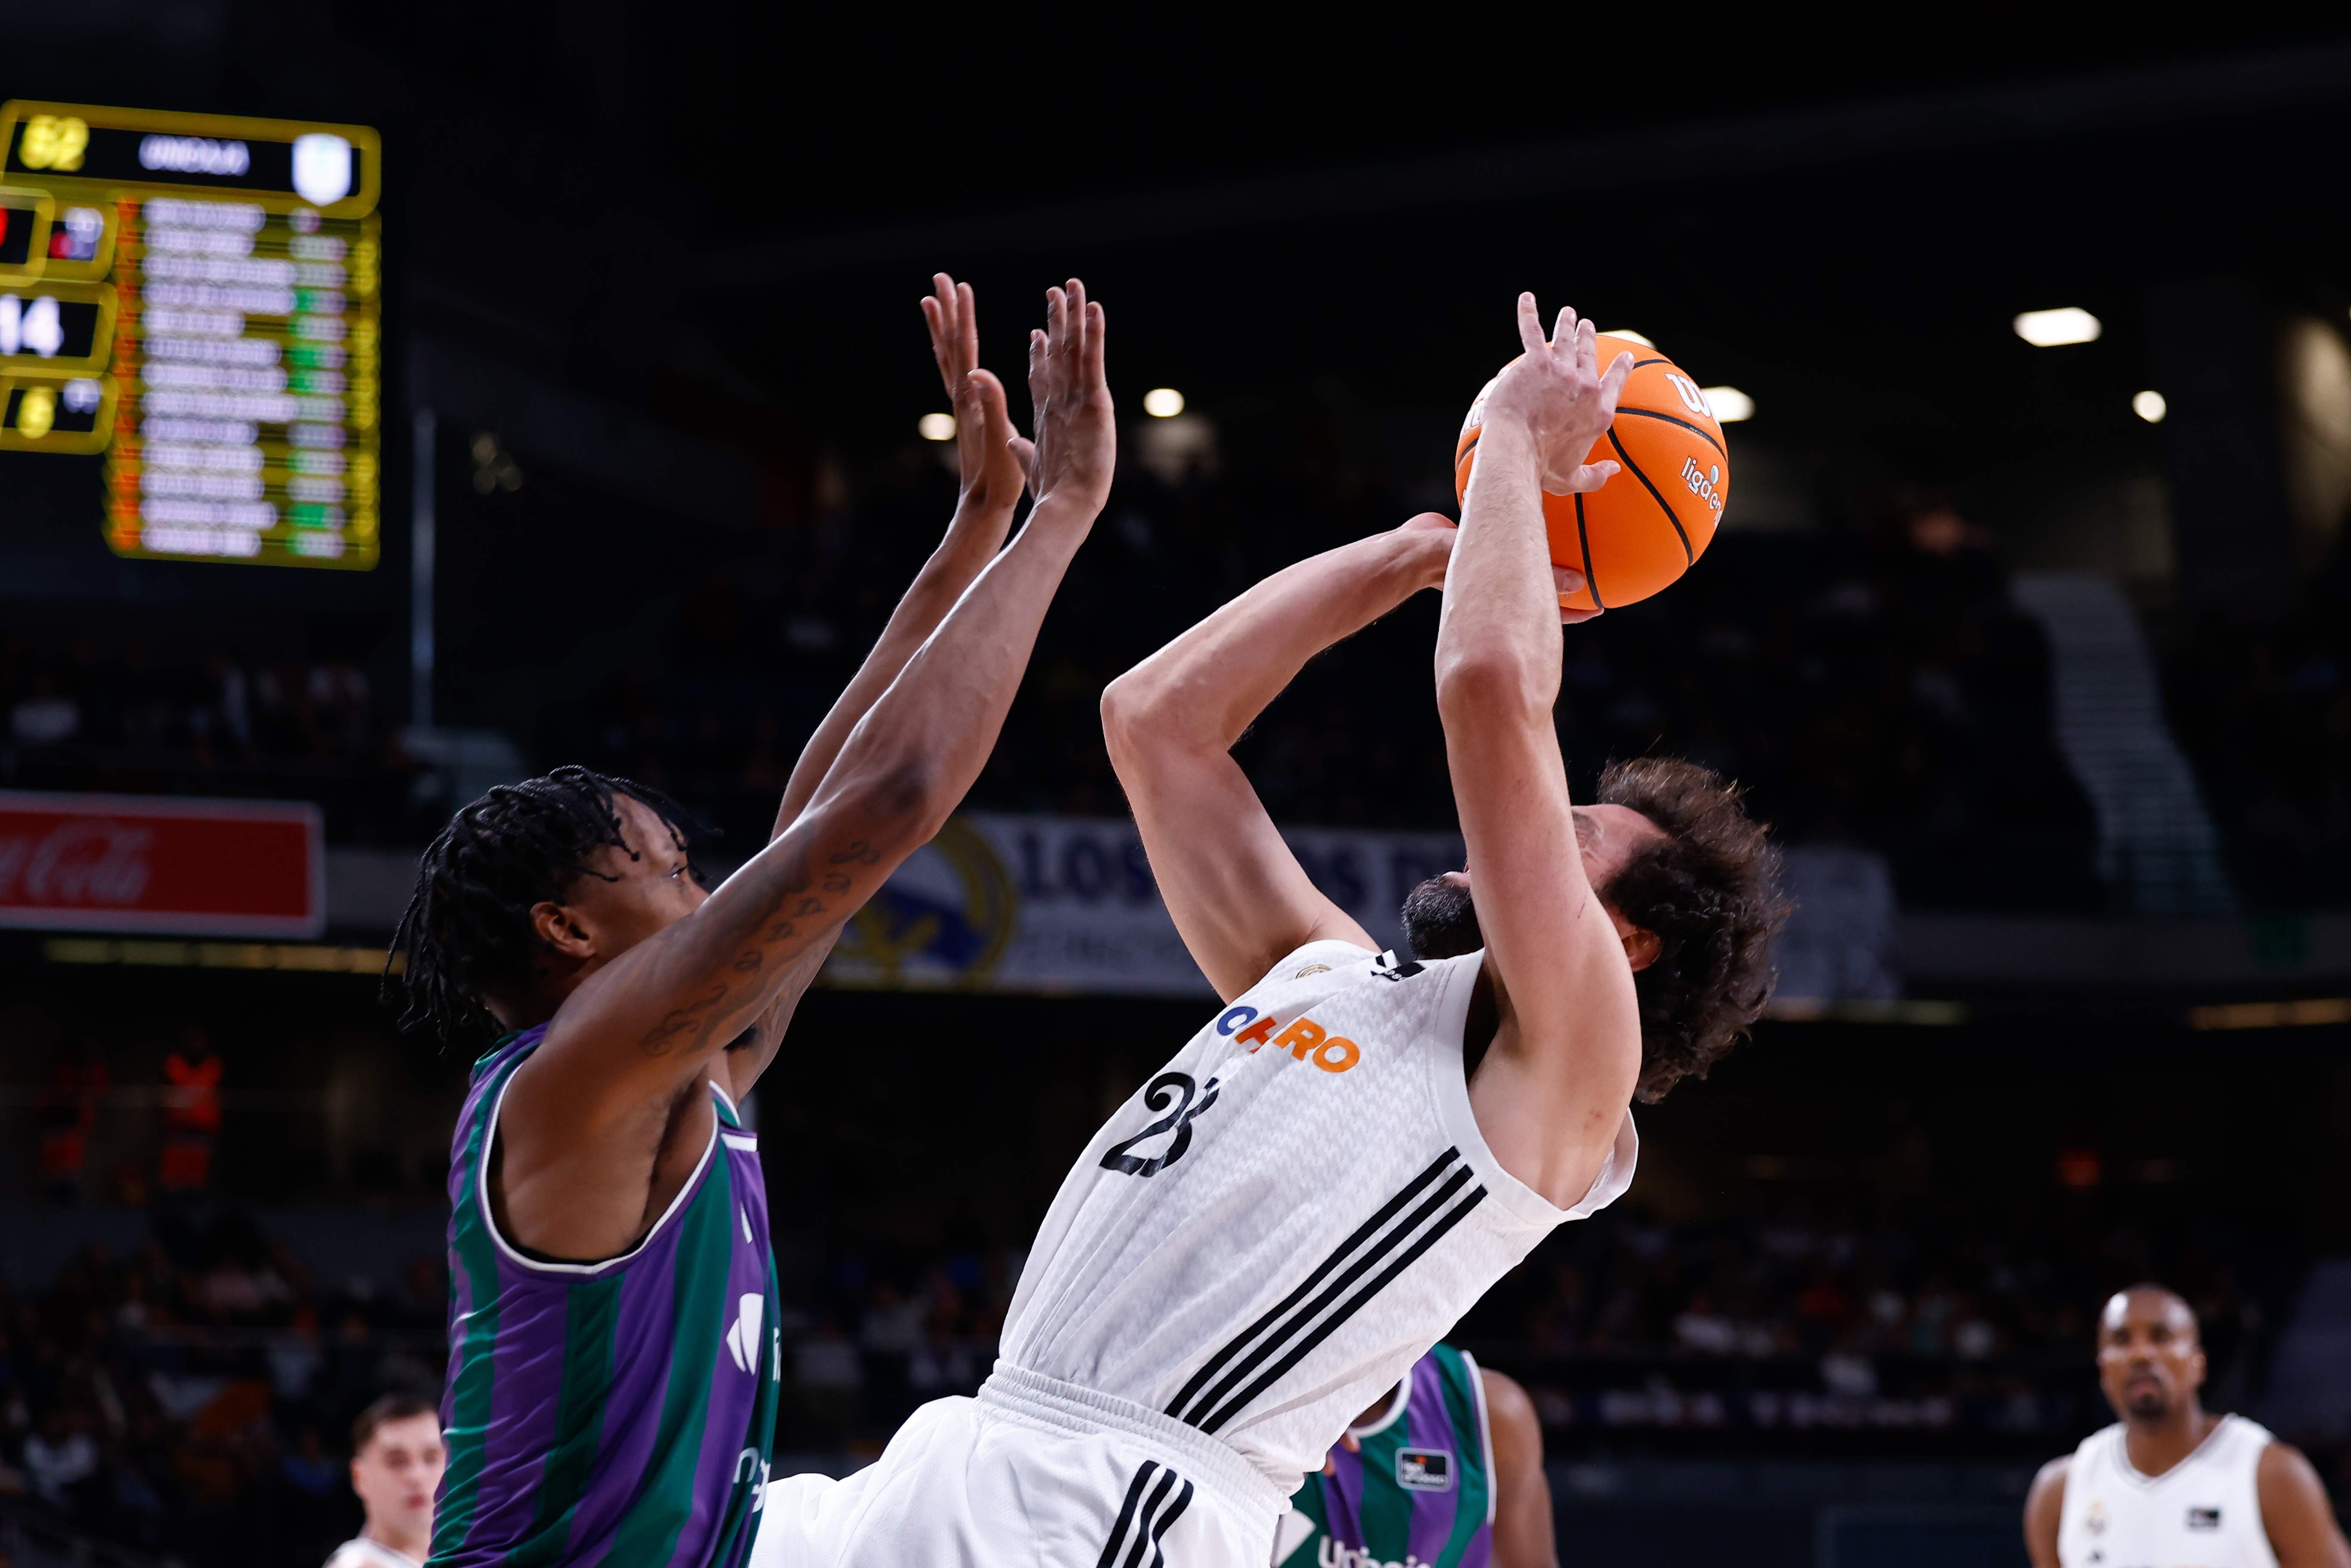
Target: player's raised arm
1553,1089
649,1023
1238,896
993,460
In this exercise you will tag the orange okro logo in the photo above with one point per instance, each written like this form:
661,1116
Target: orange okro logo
1305,1039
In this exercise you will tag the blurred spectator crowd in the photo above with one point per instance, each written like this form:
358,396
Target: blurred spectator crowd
2264,712
191,1398
1829,1322
1871,686
1871,682
149,716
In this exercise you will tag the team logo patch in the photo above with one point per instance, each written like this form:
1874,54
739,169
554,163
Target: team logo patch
1311,969
2203,1518
2096,1521
1424,1469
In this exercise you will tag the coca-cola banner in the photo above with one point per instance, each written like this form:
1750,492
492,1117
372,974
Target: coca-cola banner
131,862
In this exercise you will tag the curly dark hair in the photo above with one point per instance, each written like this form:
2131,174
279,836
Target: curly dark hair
468,923
1710,891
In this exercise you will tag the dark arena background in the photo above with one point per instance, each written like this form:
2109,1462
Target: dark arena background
609,433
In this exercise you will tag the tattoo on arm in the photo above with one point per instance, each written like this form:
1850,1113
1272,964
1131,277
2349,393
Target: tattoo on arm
692,1022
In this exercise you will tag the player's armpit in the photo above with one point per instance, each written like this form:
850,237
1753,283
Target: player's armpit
2044,1505
2295,1513
1523,1537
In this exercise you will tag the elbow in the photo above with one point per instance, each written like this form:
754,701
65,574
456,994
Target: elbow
1497,685
895,808
1127,709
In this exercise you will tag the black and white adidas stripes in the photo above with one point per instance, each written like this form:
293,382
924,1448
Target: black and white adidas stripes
1381,1248
1156,1499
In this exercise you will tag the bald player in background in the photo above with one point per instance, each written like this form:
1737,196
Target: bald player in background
2170,1486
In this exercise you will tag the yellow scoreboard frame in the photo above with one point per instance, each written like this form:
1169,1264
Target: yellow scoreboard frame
199,298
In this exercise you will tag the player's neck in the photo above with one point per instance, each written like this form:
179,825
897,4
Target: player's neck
414,1546
2156,1444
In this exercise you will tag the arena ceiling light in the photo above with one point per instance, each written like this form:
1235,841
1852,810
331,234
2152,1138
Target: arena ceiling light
2149,406
1162,402
936,426
1730,404
2054,328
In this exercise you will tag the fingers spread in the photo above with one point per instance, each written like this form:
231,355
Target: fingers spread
986,391
1531,336
1563,332
1587,348
1092,369
1611,384
968,314
936,322
1590,478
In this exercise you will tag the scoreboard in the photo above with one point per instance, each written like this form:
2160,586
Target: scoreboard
196,299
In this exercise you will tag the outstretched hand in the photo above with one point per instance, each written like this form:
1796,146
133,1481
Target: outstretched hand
993,457
1565,401
1564,580
1077,436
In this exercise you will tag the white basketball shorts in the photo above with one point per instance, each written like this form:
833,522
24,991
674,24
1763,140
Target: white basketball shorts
1032,1472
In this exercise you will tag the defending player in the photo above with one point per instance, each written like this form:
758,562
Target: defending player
613,1362
1279,1223
1445,1471
2169,1484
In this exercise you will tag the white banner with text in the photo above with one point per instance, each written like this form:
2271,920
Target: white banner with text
1034,903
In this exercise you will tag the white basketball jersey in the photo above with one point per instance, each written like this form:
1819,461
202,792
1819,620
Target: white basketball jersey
360,1553
2204,1512
1284,1218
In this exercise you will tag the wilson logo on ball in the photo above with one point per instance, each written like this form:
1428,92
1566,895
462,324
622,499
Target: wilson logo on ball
1636,533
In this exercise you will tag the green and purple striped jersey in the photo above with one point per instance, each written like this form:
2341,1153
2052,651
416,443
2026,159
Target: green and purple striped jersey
1420,1492
619,1412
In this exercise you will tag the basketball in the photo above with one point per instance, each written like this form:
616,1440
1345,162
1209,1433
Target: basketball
1656,514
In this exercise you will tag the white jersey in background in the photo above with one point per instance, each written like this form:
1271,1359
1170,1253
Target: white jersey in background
2204,1512
1287,1215
360,1553
1260,1244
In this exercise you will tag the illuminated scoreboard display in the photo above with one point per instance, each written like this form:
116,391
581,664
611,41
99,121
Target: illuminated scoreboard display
197,298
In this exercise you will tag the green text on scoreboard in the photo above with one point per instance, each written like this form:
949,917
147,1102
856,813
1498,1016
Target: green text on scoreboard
198,298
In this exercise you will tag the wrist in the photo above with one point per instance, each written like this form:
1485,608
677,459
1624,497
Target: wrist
1507,434
1058,516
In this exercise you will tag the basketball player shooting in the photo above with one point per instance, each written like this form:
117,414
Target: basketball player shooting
613,1369
2170,1482
1277,1226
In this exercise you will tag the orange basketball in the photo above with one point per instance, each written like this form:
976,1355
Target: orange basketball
1657,513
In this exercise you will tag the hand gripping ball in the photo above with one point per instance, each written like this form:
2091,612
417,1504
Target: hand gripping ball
1657,513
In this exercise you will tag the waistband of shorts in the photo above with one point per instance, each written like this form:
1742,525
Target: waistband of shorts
1073,1407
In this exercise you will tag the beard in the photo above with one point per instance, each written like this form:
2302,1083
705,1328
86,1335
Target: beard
1440,921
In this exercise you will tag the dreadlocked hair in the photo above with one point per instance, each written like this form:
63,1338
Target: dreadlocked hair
1709,890
468,923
